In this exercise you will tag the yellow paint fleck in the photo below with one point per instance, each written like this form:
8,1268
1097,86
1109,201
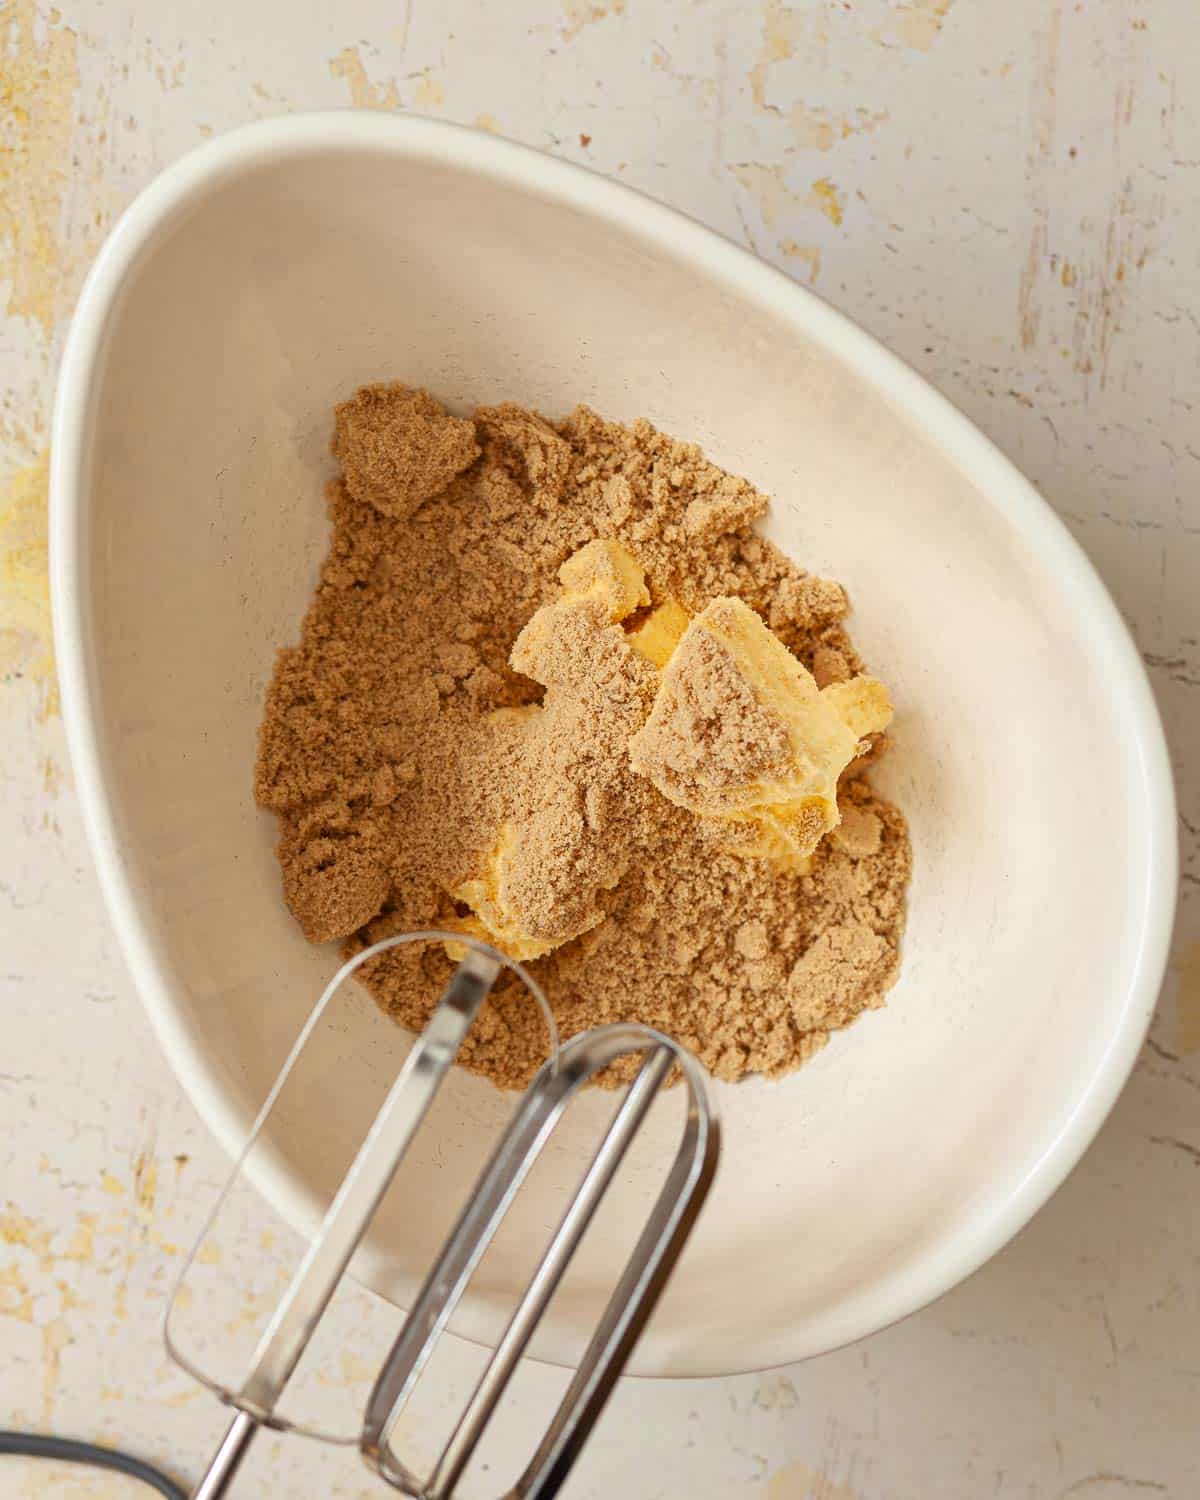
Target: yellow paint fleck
355,1368
780,31
112,1185
919,22
82,1244
863,122
827,198
16,1229
26,634
55,1338
1045,42
814,128
181,1398
799,1482
488,123
363,93
255,1307
430,92
819,129
16,1300
169,78
581,13
776,1393
209,1254
766,182
67,1293
1187,1000
145,1184
781,26
809,254
267,1239
39,77
1068,274
51,776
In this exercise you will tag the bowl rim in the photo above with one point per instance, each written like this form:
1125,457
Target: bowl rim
999,482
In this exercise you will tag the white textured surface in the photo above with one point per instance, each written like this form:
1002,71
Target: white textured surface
1017,193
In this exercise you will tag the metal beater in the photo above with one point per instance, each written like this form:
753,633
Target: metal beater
299,1310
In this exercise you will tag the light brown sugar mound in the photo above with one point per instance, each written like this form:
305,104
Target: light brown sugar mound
507,605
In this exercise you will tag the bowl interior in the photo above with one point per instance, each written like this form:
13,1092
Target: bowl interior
870,1179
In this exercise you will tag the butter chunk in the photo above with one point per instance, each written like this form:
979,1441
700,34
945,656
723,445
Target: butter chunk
606,572
739,733
786,834
501,917
863,704
657,636
495,917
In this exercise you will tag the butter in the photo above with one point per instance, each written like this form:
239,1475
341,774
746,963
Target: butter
495,917
605,571
601,573
783,807
784,835
657,636
739,734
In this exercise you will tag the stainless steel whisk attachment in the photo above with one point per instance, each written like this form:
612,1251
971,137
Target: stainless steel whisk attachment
297,1313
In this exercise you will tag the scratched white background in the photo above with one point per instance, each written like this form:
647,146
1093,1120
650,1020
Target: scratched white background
1007,194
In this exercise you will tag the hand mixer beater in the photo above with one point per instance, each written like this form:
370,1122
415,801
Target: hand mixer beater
255,1395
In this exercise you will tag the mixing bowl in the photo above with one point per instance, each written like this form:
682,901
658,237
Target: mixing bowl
263,278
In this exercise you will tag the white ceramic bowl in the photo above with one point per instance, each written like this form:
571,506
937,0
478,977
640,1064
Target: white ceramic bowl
268,274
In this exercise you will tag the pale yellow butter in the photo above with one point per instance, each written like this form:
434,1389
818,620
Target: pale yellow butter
495,917
659,633
605,571
784,815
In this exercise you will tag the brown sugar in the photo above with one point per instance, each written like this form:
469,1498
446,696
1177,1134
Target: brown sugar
398,447
423,723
